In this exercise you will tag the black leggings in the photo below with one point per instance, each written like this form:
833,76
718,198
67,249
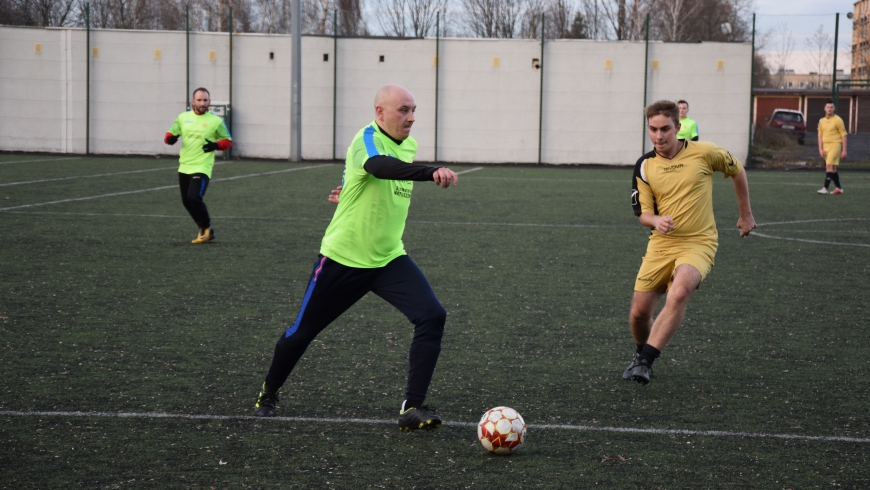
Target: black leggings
333,288
193,188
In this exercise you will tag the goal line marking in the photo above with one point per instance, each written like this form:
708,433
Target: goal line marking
578,428
115,194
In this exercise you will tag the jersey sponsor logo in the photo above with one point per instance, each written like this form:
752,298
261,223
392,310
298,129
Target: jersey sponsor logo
672,167
402,191
188,122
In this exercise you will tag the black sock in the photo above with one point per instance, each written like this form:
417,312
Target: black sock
639,349
411,404
269,388
828,179
649,354
836,178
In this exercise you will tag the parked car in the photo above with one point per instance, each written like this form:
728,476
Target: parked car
789,120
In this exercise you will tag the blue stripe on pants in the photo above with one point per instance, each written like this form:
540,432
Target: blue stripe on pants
290,331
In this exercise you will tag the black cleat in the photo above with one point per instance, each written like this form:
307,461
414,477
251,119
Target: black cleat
266,402
419,418
627,373
641,372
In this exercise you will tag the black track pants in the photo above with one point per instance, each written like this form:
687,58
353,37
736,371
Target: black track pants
333,288
193,188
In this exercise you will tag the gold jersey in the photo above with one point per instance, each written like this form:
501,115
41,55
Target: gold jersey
832,129
682,188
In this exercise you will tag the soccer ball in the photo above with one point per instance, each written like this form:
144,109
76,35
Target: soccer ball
501,430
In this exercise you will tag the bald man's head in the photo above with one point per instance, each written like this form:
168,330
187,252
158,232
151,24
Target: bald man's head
394,111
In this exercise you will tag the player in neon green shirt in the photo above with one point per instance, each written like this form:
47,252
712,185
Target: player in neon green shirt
362,252
201,134
688,126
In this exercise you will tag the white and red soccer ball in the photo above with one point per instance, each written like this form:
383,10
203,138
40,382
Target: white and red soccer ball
501,430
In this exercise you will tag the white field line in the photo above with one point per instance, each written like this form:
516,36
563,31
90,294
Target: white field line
627,181
475,169
114,194
800,221
578,428
42,160
96,175
762,235
805,240
270,218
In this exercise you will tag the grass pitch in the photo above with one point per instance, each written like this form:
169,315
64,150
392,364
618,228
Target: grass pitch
107,310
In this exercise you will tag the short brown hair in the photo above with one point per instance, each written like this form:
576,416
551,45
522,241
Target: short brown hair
203,89
663,108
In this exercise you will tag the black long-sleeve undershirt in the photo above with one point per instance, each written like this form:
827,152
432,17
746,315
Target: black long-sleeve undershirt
390,168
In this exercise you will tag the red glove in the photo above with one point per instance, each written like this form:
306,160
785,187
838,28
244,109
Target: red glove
224,145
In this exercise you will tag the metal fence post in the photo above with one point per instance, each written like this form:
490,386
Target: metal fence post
334,79
834,94
541,101
437,70
229,112
645,81
751,99
88,81
187,56
296,84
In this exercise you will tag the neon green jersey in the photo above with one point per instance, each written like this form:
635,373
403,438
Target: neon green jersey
688,129
194,129
366,230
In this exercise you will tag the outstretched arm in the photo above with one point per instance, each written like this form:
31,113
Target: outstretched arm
746,222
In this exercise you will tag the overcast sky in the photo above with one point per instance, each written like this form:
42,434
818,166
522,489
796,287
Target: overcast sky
798,7
802,19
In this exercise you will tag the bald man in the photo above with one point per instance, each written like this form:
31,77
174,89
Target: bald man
362,252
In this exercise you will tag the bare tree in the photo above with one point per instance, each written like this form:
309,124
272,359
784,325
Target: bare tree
350,18
783,47
561,16
317,16
671,19
594,19
408,18
43,13
705,21
493,18
627,18
820,50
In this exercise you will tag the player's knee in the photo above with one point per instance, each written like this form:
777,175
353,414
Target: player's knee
639,316
433,321
679,294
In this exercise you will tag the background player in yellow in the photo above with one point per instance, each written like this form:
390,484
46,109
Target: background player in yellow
832,146
688,126
672,193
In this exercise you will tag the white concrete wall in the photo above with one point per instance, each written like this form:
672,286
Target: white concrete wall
486,113
42,97
719,100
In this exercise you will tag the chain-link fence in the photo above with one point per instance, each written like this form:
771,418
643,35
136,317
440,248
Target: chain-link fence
801,62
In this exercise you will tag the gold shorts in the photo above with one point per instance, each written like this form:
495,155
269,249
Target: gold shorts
832,153
659,264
